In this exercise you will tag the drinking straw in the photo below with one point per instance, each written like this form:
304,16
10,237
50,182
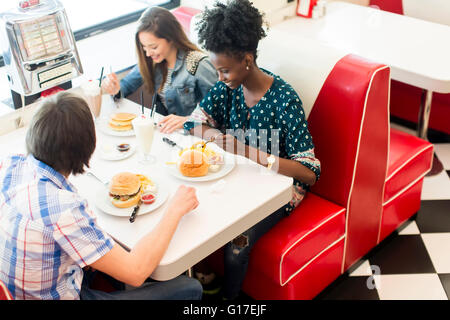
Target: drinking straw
142,101
152,112
101,76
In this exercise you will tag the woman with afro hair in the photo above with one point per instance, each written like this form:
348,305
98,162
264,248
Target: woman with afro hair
252,112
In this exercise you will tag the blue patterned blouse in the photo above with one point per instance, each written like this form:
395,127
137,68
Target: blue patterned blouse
276,124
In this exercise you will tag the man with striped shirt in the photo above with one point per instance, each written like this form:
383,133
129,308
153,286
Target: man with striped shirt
48,233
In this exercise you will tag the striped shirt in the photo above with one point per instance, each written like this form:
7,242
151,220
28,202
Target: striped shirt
48,233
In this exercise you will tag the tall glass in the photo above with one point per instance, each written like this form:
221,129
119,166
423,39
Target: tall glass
144,129
93,95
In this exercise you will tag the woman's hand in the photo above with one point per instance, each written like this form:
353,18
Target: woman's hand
230,144
171,123
111,84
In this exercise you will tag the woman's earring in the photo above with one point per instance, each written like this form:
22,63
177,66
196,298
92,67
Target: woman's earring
247,67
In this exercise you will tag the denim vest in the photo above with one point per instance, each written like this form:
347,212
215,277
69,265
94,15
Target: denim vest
187,88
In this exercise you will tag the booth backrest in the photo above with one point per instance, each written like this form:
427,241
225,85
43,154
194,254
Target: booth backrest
350,125
303,64
348,121
394,6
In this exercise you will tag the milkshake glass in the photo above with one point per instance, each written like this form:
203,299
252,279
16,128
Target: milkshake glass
144,129
93,95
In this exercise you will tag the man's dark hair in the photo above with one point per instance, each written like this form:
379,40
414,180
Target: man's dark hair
62,133
234,28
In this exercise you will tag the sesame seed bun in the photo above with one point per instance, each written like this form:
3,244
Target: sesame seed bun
124,189
124,183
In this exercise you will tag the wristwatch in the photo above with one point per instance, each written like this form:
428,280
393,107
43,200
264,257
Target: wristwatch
270,161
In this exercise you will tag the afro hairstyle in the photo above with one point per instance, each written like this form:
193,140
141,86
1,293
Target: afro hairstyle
234,28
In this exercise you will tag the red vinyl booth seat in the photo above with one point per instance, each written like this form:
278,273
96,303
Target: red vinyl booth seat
306,236
300,240
410,159
405,104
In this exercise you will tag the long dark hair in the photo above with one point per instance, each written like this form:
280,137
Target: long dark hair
163,24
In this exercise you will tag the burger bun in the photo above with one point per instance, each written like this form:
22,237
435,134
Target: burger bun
193,163
122,185
126,204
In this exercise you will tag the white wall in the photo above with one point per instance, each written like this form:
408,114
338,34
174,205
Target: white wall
432,10
275,10
264,5
360,2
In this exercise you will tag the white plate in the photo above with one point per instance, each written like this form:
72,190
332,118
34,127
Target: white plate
103,126
103,202
110,152
226,168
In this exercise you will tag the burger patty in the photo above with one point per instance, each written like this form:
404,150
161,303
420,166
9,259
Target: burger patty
124,197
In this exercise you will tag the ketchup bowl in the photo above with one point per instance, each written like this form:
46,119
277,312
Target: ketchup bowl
148,198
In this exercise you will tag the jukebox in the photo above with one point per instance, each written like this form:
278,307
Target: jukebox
38,49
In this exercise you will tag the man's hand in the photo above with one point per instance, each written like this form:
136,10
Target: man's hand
184,201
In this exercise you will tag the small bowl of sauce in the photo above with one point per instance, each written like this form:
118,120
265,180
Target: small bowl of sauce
148,198
123,147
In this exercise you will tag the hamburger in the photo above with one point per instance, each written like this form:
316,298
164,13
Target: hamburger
121,121
125,190
193,163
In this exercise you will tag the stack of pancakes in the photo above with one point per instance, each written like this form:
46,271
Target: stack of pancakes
121,121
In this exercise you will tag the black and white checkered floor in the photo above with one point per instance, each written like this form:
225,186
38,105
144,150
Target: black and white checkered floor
414,262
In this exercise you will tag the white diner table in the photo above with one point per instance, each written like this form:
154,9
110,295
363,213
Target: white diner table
250,193
417,51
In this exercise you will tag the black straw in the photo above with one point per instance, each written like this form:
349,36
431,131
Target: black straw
153,105
101,76
142,101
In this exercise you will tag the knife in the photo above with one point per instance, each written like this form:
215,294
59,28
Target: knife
172,143
135,210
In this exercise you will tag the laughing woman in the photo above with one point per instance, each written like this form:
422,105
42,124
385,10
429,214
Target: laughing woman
253,112
169,65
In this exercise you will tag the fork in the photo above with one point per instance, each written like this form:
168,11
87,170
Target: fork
90,173
211,139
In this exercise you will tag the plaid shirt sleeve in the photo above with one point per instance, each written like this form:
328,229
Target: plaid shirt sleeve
79,235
